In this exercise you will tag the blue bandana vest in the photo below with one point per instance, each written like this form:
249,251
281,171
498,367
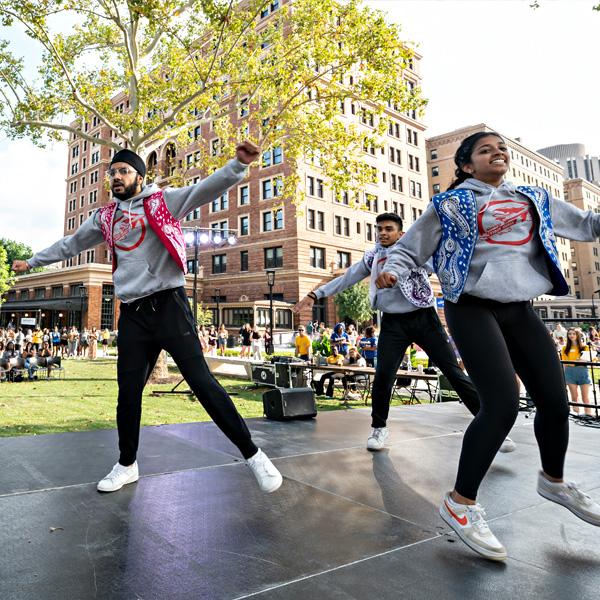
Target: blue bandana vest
457,212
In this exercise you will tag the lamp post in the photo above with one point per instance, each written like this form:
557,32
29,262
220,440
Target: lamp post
82,299
271,283
202,236
68,303
218,300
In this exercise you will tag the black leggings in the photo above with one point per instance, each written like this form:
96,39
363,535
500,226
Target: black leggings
164,321
398,331
495,340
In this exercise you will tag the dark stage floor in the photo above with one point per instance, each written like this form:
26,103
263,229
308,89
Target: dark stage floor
345,524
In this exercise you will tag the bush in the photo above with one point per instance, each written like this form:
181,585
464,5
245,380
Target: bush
322,346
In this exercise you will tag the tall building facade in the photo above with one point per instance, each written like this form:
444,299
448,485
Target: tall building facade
575,161
585,255
527,167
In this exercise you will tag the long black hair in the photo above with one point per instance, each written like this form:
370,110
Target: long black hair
463,156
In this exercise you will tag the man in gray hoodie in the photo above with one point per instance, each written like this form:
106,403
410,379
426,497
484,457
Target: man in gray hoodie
408,316
145,239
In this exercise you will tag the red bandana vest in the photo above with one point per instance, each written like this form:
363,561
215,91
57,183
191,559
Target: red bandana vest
162,222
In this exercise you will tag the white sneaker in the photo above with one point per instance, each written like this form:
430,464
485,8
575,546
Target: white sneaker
468,522
570,496
268,477
377,438
508,446
118,477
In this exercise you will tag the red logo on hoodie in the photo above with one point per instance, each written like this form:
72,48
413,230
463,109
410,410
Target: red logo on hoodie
122,228
508,222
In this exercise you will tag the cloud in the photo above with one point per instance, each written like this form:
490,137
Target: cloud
33,192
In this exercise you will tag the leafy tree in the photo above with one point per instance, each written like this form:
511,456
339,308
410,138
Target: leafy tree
204,316
354,303
17,251
179,63
6,279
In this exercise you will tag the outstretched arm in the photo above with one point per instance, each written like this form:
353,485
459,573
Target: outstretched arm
414,249
182,201
87,236
355,273
573,223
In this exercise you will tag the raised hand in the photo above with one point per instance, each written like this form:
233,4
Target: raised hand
20,266
305,303
247,152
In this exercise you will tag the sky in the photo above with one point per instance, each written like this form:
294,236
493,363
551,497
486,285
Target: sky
528,73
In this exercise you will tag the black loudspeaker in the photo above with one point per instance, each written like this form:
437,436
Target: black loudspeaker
263,375
281,403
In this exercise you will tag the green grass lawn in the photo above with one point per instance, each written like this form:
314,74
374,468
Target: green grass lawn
86,400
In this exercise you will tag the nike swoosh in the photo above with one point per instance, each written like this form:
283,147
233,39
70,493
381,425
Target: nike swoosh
461,520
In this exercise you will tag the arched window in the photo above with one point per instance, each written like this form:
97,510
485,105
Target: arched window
151,167
170,160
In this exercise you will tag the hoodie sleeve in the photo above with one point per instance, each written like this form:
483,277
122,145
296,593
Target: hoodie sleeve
573,223
87,236
355,273
182,201
417,245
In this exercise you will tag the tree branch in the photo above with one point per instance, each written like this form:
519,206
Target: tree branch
68,128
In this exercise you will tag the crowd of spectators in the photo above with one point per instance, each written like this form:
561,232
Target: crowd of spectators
21,349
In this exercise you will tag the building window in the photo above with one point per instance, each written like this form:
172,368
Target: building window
369,232
433,154
435,171
107,308
320,220
192,265
319,188
310,185
273,156
244,195
274,257
271,188
244,225
221,203
236,317
343,260
90,256
273,220
311,219
244,260
219,263
317,257
436,188
40,293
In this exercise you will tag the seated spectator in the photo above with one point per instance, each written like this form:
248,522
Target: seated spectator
339,339
31,362
368,347
10,356
334,359
46,352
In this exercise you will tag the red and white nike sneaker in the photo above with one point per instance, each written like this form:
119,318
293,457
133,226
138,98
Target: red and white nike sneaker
471,527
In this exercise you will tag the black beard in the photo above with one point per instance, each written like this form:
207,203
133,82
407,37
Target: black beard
128,192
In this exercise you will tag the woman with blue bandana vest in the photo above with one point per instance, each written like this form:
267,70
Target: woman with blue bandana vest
408,316
494,250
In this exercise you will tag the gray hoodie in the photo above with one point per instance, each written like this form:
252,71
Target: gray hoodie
509,262
144,266
391,300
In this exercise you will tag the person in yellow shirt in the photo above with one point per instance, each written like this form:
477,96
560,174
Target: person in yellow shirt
577,376
36,338
303,344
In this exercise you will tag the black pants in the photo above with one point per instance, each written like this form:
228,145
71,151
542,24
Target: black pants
398,331
495,340
164,321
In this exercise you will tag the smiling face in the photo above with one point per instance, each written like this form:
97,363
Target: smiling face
489,160
388,233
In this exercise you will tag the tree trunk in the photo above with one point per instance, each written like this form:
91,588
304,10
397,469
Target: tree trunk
160,371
